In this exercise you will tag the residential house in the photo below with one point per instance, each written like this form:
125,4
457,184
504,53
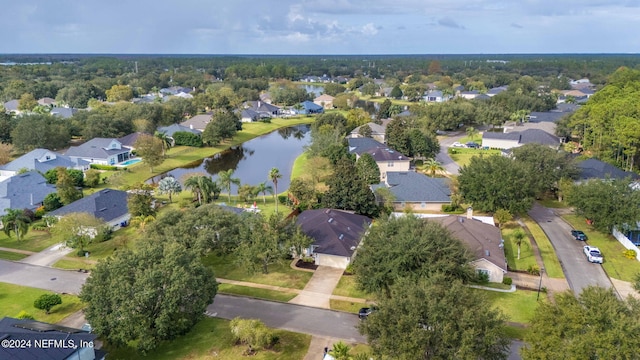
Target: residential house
248,115
482,239
496,90
416,191
198,122
174,128
175,90
596,169
11,106
435,96
130,140
378,131
469,95
47,101
41,160
73,343
336,235
508,140
266,97
104,151
24,191
386,158
579,93
324,100
308,108
107,204
63,112
264,109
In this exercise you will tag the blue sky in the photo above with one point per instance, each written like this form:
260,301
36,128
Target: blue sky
320,27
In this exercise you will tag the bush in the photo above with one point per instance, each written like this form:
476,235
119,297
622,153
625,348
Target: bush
47,301
23,315
283,199
186,138
482,277
39,213
507,280
451,208
103,234
533,270
103,167
52,201
266,120
39,225
252,332
452,151
630,254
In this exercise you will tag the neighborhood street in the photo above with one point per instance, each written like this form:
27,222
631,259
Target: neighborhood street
579,272
61,281
443,156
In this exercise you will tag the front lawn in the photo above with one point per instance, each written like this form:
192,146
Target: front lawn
35,241
10,255
347,287
225,267
73,263
551,263
615,264
347,306
527,258
211,339
15,298
265,294
462,156
518,306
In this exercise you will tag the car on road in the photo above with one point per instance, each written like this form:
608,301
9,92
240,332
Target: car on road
458,145
472,145
593,254
579,235
363,313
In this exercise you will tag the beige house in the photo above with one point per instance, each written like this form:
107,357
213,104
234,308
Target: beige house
416,191
378,131
324,100
386,158
198,122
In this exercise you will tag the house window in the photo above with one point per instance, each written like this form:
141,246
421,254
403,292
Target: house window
390,164
423,205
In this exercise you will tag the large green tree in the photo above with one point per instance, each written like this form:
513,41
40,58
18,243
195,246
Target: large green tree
348,190
408,247
545,165
203,188
436,318
156,293
78,229
67,190
368,169
151,149
497,182
595,325
40,131
223,125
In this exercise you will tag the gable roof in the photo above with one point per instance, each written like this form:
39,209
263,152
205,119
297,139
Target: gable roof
410,186
376,129
334,232
24,191
198,122
31,330
43,160
324,97
63,112
596,169
497,90
129,140
96,148
484,240
362,145
46,101
106,204
311,106
11,105
384,153
262,107
174,128
538,136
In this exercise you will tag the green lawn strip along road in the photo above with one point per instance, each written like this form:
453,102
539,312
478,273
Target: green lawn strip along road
552,265
616,265
258,293
10,255
211,338
16,298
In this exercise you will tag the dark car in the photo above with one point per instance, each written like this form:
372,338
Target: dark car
473,145
364,312
579,235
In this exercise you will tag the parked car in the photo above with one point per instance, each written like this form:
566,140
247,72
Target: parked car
472,145
459,145
579,235
364,312
593,254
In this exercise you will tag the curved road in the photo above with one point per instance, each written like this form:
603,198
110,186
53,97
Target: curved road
579,272
443,156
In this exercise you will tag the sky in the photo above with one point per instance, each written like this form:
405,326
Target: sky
320,27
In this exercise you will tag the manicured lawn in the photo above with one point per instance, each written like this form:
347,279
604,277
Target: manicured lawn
211,339
549,258
299,166
615,264
9,255
527,258
255,292
463,156
72,263
347,306
14,298
34,241
516,332
518,306
225,267
347,287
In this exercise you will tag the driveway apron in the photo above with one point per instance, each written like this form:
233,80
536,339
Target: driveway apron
318,290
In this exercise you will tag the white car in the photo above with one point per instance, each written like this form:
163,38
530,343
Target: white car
593,254
458,145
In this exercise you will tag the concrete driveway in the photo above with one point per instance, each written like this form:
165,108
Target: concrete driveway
579,272
318,290
48,256
60,281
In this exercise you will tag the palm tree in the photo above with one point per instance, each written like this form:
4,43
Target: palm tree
433,166
264,189
15,220
520,115
141,221
203,187
340,351
518,237
169,185
274,175
472,132
166,141
225,179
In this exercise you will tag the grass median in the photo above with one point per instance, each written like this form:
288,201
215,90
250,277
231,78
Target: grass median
551,263
256,292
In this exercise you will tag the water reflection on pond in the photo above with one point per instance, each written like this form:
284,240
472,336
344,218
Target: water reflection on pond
253,160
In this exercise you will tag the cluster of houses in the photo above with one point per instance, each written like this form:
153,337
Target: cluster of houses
51,105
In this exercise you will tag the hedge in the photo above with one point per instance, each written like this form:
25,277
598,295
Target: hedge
187,139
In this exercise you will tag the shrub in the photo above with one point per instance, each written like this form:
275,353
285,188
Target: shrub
39,213
266,120
39,225
252,332
104,234
507,280
47,301
104,167
186,138
533,270
482,277
630,254
23,315
283,199
452,151
52,201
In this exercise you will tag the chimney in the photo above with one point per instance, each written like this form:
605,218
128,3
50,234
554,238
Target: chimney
258,104
469,213
191,126
31,199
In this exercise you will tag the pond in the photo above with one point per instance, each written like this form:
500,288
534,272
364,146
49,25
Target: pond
314,90
253,160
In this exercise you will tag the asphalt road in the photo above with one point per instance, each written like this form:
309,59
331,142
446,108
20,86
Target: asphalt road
443,156
61,281
579,272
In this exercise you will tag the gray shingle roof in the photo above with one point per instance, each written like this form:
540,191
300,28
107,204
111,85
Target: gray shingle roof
30,330
537,136
198,122
63,112
24,191
174,128
501,135
362,145
410,186
106,204
596,169
11,105
129,140
43,160
385,153
335,232
96,148
375,128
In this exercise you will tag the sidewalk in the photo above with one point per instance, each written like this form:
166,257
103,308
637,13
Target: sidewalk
317,292
553,285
